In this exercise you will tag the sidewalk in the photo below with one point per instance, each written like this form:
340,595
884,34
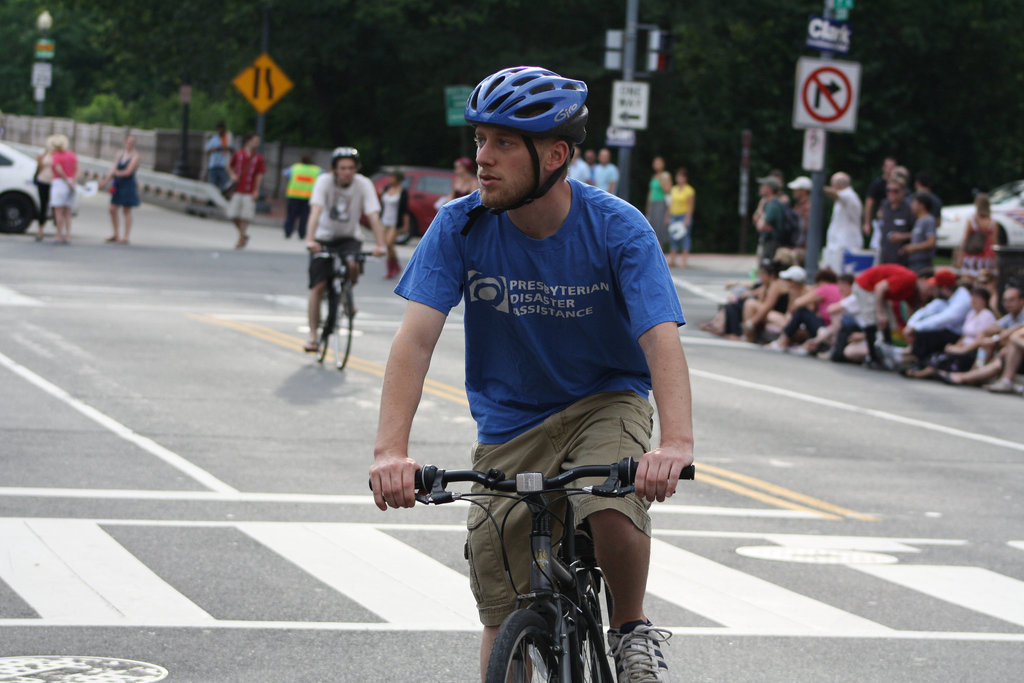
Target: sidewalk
739,264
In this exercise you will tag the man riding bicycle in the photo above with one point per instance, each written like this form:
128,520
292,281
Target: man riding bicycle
571,318
340,198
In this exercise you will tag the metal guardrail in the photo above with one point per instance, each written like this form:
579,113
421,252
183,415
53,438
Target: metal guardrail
152,184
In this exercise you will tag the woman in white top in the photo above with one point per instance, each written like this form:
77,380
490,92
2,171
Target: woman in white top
44,178
394,201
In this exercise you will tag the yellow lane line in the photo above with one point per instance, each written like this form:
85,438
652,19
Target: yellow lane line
786,493
771,494
287,341
756,495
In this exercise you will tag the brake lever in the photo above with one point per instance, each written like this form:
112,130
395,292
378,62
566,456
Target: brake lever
437,495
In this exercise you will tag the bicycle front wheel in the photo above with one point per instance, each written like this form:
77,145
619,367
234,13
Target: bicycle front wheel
523,651
329,316
592,663
348,310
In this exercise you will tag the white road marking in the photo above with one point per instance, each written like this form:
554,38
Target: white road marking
9,297
146,444
741,601
974,588
718,298
338,499
870,412
386,576
72,572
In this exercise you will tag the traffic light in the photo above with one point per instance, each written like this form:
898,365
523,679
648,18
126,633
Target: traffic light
659,50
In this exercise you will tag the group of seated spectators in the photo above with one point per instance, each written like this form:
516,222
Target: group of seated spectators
926,324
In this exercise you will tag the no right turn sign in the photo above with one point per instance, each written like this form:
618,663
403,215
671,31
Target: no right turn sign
826,94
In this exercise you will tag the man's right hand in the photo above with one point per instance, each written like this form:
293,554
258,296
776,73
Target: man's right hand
393,479
313,246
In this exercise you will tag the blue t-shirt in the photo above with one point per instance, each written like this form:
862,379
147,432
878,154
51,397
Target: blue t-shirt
605,175
547,322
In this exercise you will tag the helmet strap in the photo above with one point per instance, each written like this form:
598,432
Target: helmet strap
539,190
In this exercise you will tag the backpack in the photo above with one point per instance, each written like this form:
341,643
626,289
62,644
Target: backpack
791,226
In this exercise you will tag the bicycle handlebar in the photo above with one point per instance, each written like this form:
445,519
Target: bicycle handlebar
327,252
619,481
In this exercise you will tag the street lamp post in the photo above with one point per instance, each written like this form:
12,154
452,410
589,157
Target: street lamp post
42,70
185,97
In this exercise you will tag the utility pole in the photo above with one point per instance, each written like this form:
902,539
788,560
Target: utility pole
815,219
628,73
261,123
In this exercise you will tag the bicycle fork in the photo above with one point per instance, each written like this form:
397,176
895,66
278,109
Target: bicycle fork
547,574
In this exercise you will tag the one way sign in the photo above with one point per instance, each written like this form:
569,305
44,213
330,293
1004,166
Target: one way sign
629,104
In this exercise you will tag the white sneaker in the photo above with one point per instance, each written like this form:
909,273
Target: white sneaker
637,654
776,347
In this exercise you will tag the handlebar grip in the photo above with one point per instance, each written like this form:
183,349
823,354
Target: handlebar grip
431,471
687,472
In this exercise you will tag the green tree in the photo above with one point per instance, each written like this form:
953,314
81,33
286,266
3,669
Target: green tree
940,85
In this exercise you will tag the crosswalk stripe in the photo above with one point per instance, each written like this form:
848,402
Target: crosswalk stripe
72,571
741,601
357,560
975,588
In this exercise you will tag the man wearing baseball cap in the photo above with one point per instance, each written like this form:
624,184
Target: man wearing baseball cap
772,222
801,187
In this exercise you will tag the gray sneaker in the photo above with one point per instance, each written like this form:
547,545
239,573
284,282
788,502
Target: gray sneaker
888,355
1005,386
637,654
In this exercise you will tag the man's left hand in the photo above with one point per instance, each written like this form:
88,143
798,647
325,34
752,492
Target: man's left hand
658,473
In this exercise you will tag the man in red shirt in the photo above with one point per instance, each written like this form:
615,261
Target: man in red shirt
246,169
878,290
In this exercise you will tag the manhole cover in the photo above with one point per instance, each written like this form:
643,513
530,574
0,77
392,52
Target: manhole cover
815,555
70,669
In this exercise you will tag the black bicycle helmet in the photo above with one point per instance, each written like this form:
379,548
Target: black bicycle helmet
344,153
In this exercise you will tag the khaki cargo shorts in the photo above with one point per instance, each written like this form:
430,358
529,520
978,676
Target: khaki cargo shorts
598,430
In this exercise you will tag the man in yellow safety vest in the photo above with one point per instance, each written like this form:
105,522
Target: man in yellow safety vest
301,177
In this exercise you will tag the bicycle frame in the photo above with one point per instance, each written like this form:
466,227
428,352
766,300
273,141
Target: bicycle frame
554,587
556,595
338,293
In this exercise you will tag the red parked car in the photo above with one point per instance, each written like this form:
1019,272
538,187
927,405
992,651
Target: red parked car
425,186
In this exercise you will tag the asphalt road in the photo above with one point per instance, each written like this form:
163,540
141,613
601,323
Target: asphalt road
181,486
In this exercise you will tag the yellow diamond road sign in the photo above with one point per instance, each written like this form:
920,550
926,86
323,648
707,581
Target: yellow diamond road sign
263,83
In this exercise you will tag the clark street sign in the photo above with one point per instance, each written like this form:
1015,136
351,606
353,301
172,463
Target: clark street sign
629,104
830,36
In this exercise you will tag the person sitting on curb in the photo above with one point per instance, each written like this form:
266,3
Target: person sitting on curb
1011,366
992,353
810,309
844,319
961,355
934,325
772,298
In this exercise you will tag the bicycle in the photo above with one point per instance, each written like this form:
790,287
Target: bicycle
339,304
556,632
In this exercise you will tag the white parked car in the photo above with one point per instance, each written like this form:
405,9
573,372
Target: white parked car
19,197
1007,203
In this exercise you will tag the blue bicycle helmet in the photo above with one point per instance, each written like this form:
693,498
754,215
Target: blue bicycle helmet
531,100
536,103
